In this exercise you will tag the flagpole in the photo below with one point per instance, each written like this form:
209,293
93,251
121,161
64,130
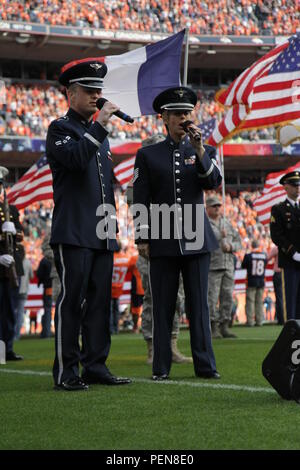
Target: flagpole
221,156
186,55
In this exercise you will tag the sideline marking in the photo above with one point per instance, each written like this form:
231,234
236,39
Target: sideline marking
234,387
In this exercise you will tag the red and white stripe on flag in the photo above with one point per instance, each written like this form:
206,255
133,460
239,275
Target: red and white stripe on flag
238,92
230,122
273,193
124,172
35,185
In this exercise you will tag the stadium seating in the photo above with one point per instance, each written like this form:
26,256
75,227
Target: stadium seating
225,17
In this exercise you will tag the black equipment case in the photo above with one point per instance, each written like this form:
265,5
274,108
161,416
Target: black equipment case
281,366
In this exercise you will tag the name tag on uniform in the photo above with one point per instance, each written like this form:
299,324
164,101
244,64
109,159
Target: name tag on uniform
190,160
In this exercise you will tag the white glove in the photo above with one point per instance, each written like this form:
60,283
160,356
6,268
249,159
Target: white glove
9,227
296,256
6,260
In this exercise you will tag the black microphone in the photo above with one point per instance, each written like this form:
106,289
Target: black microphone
186,125
100,102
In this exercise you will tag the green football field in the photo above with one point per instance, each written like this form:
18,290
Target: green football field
240,411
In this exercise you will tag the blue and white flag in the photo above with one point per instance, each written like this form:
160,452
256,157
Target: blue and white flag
135,78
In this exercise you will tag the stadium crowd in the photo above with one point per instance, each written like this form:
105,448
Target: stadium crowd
20,114
225,17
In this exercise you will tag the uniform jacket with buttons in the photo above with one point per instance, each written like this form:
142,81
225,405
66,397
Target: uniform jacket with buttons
171,174
14,217
219,259
79,158
285,233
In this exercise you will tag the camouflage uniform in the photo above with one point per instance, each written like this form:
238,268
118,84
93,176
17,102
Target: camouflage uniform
221,276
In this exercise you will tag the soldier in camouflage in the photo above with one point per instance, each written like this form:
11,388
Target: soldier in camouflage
221,271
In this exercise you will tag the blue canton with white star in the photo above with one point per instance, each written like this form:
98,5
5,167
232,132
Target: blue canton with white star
207,128
289,59
42,162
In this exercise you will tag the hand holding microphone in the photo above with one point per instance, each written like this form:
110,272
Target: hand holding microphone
108,109
195,136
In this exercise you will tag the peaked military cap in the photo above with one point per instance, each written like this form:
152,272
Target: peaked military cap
87,73
173,99
293,178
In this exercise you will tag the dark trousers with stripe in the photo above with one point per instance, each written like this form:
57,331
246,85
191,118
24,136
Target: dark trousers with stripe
82,305
277,283
291,302
164,278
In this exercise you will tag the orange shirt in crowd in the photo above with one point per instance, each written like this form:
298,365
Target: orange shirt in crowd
122,263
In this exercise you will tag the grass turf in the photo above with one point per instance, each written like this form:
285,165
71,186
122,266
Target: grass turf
146,415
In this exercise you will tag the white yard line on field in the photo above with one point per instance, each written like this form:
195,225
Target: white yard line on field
215,386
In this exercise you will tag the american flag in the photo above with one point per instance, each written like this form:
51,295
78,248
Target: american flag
265,94
35,185
273,193
276,93
124,172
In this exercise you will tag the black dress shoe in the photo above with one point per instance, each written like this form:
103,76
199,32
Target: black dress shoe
106,380
159,378
12,356
208,375
74,384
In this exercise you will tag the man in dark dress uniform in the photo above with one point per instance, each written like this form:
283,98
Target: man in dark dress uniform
83,229
285,233
7,314
174,173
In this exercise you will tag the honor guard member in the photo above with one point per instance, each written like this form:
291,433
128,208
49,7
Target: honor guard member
9,283
285,233
173,174
79,157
